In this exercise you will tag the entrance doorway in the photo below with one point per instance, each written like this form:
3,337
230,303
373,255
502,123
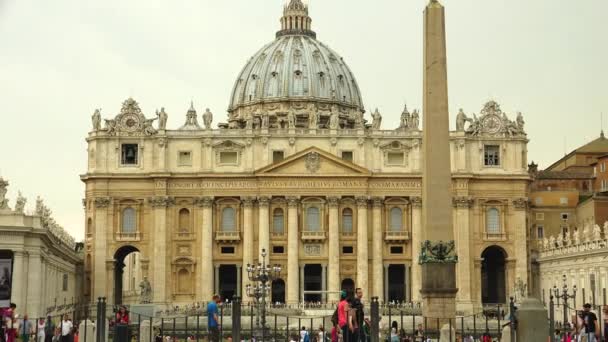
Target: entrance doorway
396,283
228,282
313,282
348,285
493,279
126,282
278,291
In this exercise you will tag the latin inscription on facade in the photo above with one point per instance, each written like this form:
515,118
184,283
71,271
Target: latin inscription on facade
312,249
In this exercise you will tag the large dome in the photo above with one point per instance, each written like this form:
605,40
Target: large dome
298,73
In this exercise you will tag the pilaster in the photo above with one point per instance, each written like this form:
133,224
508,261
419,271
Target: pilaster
206,262
377,231
102,229
333,249
19,284
416,240
160,270
35,285
248,252
264,225
362,246
462,207
519,228
293,250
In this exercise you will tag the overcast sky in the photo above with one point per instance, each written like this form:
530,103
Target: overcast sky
61,59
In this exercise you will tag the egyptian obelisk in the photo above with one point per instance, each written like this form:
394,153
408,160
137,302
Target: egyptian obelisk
437,253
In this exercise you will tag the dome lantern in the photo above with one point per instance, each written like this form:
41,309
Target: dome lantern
295,20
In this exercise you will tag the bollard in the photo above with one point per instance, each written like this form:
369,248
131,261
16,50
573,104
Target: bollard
236,319
375,312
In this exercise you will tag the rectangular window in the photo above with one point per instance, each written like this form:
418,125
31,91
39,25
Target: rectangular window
565,216
65,282
129,154
229,158
227,250
185,158
395,158
347,249
540,232
540,216
347,155
563,200
277,156
278,249
491,155
396,249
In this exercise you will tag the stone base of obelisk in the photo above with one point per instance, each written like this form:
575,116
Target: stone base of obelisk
438,292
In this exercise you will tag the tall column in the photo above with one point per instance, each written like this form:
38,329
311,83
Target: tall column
19,283
324,283
239,281
377,248
386,283
292,251
416,240
206,262
407,282
333,266
519,229
248,236
159,246
362,246
462,233
264,225
216,279
438,270
301,294
100,235
35,284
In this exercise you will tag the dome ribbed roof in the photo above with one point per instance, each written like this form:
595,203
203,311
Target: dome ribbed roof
295,71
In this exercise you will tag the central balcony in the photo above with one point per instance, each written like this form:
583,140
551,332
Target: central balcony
313,236
228,237
396,236
135,236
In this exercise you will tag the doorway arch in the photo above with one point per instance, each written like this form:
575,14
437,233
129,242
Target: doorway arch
493,275
119,266
278,291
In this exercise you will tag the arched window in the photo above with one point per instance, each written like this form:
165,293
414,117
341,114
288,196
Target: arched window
347,220
228,220
129,221
184,220
396,219
313,221
493,221
278,221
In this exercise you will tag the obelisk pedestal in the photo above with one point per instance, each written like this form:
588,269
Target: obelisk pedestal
437,251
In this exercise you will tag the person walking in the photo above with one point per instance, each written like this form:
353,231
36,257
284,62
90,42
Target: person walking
66,329
25,329
40,330
343,317
212,319
359,315
394,332
49,329
419,335
590,324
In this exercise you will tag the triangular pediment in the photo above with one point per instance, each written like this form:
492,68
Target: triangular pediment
313,162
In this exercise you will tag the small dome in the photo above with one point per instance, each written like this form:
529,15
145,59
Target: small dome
297,69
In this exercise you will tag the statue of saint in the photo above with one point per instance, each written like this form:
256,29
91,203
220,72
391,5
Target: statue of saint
334,120
415,122
551,242
3,191
545,244
606,230
597,233
560,241
96,118
405,118
162,119
376,120
521,290
461,119
359,120
586,233
207,118
249,121
576,237
145,295
20,203
291,120
312,120
520,122
265,120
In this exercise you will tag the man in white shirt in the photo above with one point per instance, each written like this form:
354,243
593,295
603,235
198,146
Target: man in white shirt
66,329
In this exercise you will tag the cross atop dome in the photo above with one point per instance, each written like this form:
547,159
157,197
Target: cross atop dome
295,20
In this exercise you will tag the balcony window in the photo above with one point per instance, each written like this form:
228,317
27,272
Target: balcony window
129,222
347,220
228,220
396,220
540,232
493,221
491,155
313,219
278,221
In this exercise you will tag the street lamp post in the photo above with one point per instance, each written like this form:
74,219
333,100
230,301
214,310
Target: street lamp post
565,296
262,275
